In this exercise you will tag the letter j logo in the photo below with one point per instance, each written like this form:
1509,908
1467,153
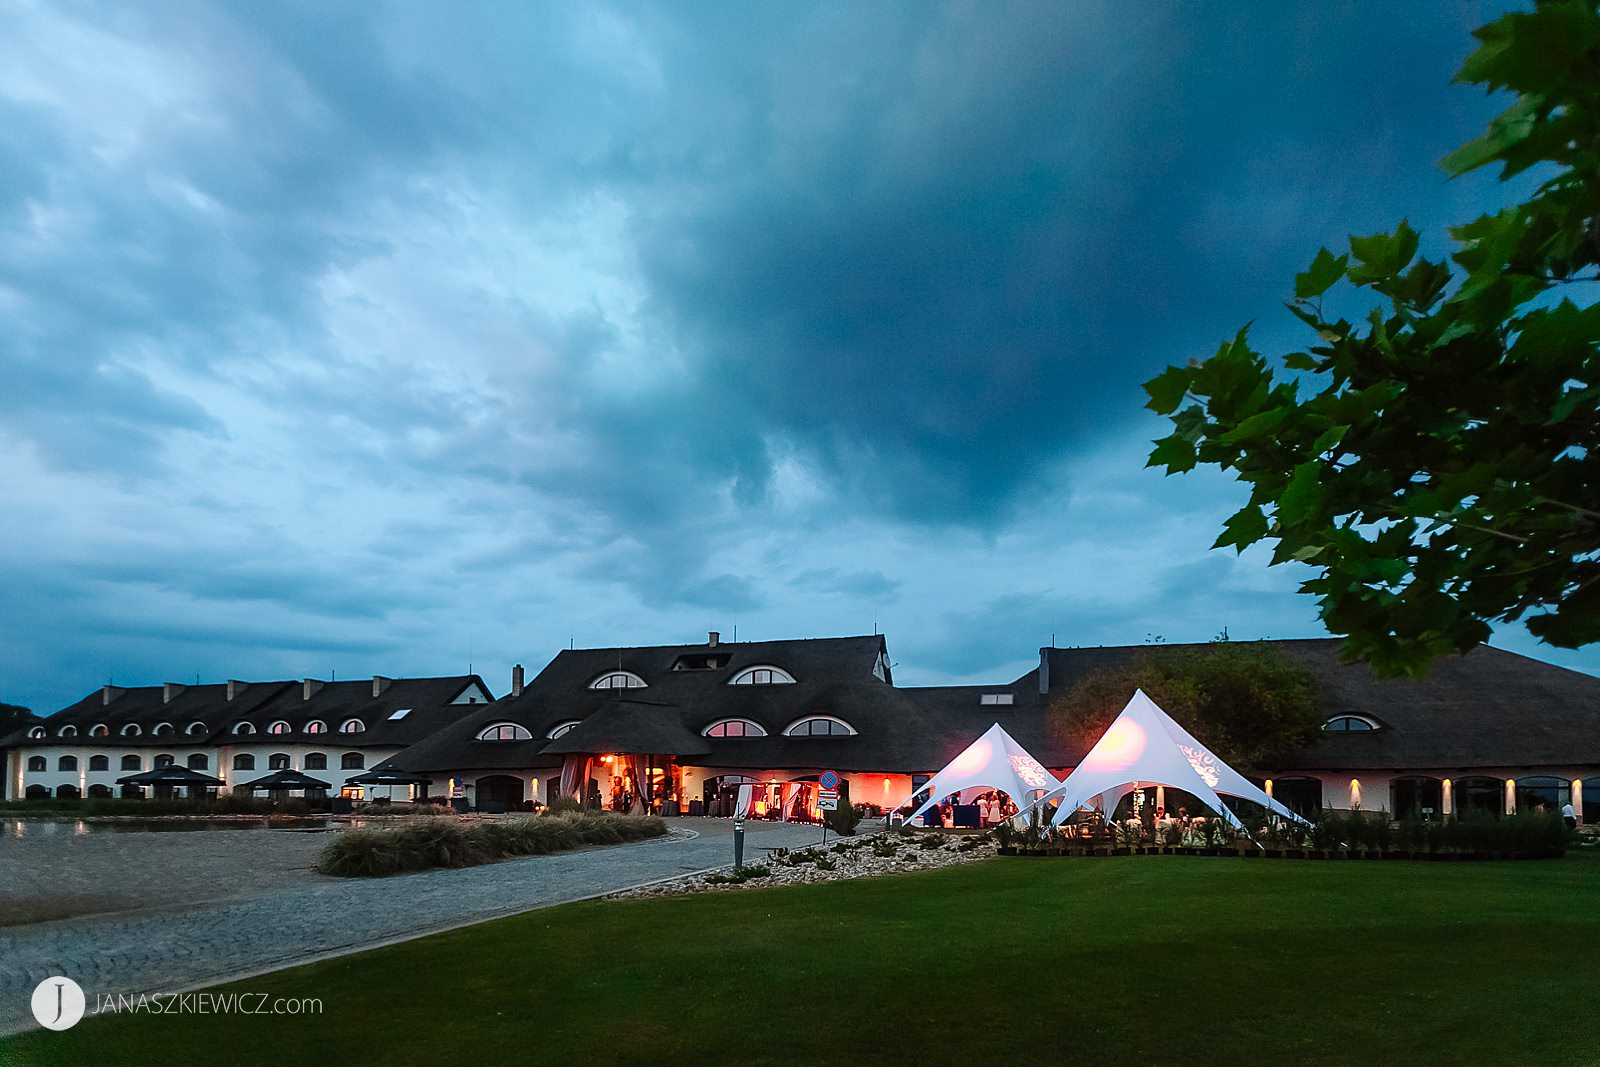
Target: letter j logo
58,1003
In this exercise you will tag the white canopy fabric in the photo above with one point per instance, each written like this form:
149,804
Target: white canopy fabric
1145,747
993,761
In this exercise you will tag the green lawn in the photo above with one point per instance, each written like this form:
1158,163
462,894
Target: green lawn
1128,960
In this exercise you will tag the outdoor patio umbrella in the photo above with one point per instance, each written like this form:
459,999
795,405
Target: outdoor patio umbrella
173,775
286,780
380,777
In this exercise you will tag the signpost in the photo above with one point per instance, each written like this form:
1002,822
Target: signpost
828,800
827,797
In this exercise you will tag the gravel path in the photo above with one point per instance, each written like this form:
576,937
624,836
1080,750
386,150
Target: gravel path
292,915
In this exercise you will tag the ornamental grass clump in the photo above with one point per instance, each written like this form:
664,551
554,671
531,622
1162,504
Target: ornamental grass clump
435,843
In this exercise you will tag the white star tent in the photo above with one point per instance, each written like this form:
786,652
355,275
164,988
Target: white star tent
993,761
1145,747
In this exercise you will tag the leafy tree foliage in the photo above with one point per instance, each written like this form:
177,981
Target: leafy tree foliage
1244,700
13,717
1437,457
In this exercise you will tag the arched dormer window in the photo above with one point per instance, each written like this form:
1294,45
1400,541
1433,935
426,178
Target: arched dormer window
352,726
618,680
316,726
561,729
505,731
99,729
36,733
279,727
161,728
132,729
819,726
67,731
195,728
1350,724
764,675
244,727
734,728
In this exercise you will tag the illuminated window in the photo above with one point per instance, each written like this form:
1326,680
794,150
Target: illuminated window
352,761
505,731
763,676
279,727
734,728
618,680
316,726
820,726
317,761
244,762
352,726
1349,724
133,729
278,761
131,763
561,729
99,763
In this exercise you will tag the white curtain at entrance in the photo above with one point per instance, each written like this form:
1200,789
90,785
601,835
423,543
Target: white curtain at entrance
575,776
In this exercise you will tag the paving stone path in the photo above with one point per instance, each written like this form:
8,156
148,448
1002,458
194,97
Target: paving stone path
188,945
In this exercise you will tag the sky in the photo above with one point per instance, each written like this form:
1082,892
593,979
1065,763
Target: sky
343,339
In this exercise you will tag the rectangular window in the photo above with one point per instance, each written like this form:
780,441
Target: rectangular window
995,698
399,714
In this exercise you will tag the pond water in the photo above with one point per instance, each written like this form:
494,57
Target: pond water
12,828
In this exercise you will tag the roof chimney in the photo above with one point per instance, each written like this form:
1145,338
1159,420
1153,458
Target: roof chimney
235,687
170,690
715,637
516,680
1044,670
379,684
308,688
108,693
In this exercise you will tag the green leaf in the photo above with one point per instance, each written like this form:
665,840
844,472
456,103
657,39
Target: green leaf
1175,453
1243,529
1329,437
1167,389
1256,425
1303,493
1325,270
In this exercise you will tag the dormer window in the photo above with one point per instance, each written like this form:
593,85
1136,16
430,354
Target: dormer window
36,733
99,729
505,731
996,698
161,728
561,729
279,727
133,729
244,728
734,728
1350,724
67,731
701,661
618,680
195,728
352,726
820,726
316,726
763,675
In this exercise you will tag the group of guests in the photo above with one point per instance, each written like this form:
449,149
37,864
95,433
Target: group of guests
994,807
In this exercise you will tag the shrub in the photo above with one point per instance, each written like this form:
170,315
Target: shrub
563,802
447,843
842,820
739,876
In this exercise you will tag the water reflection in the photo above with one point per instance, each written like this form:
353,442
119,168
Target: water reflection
18,828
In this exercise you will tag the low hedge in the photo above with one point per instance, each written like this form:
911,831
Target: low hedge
432,843
228,804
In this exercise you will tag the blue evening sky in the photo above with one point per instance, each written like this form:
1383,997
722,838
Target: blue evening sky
391,338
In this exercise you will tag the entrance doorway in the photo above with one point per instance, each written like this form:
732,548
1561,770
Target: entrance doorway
500,792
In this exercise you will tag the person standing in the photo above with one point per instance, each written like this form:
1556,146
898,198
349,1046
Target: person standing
1569,816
